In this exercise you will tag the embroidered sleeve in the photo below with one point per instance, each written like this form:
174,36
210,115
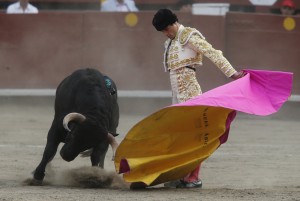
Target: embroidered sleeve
216,56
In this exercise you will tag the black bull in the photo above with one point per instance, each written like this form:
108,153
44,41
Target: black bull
86,117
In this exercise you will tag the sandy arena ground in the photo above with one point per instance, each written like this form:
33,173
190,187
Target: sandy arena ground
260,161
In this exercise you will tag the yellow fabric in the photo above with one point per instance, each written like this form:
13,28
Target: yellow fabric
170,143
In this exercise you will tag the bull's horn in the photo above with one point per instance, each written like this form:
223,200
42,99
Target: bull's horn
72,117
113,143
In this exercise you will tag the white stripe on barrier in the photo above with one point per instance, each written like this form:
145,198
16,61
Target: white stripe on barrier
121,93
27,92
51,92
294,98
21,146
144,94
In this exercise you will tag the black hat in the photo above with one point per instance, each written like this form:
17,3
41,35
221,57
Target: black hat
163,18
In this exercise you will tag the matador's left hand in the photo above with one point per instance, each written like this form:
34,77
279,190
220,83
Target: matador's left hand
238,75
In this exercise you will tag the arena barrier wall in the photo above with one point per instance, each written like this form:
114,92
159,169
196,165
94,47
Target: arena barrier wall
38,51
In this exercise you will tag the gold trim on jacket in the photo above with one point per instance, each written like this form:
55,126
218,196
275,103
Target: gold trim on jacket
188,48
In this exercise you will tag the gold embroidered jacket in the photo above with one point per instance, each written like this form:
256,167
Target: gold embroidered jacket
188,48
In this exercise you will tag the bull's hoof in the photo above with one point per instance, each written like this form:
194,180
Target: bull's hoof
33,182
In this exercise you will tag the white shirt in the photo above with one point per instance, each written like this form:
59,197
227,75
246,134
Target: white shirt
122,7
16,8
115,6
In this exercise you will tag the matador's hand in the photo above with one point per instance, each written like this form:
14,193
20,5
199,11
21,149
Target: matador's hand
238,75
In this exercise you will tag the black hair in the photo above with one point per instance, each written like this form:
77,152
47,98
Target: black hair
163,18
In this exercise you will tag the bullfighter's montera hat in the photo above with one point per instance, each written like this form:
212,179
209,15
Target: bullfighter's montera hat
163,18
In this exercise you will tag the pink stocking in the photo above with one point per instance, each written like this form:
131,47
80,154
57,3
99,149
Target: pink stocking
194,175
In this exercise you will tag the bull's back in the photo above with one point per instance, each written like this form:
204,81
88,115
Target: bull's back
84,91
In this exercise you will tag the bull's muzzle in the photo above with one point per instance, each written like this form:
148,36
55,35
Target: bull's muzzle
67,154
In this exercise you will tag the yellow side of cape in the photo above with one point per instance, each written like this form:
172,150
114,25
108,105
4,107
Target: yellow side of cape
170,143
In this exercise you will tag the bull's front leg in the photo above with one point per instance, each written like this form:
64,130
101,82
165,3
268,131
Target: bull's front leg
99,153
39,173
48,155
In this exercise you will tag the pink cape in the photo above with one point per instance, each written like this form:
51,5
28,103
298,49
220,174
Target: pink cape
259,92
171,142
